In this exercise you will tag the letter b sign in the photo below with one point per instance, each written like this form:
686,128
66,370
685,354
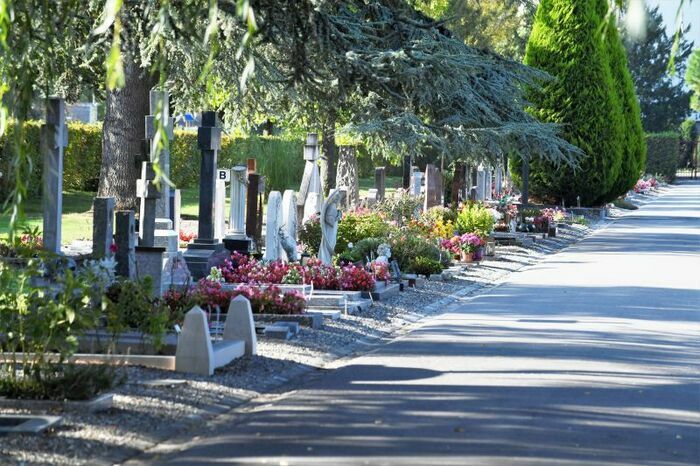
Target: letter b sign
223,175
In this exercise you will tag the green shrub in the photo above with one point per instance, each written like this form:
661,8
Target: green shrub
355,226
310,236
425,266
365,248
279,159
662,154
474,218
406,247
566,42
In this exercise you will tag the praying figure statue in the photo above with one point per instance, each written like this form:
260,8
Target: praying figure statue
330,215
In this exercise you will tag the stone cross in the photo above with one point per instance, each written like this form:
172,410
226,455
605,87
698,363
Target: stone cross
311,181
347,174
125,240
209,142
311,207
54,138
274,215
149,194
102,226
159,106
239,188
380,182
407,172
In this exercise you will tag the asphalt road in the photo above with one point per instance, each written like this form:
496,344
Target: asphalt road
590,358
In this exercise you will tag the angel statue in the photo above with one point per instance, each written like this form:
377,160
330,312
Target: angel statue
330,215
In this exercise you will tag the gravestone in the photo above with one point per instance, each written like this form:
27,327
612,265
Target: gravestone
149,263
499,181
102,226
380,182
205,251
459,183
432,194
480,184
407,172
330,216
149,195
223,176
288,233
165,235
176,207
236,238
311,180
125,240
274,217
488,185
240,324
417,181
254,203
474,194
346,175
372,198
54,139
311,207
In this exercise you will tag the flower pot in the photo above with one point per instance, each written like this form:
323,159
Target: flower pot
467,256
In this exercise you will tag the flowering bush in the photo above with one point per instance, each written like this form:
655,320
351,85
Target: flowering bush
381,271
187,236
470,242
554,215
642,186
452,245
356,278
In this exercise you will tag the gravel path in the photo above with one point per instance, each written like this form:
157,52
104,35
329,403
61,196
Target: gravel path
146,414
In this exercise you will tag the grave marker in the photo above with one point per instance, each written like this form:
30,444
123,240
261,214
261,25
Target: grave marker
54,138
346,174
380,182
102,226
125,240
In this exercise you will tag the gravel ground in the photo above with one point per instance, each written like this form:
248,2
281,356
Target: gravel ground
145,415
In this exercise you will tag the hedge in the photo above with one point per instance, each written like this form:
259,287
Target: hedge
279,159
663,154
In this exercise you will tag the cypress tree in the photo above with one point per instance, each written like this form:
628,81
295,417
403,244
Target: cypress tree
567,41
634,144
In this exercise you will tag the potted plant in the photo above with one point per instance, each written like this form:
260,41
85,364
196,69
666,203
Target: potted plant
470,244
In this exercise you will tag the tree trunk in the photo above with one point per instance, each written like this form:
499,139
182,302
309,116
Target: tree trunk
123,133
329,155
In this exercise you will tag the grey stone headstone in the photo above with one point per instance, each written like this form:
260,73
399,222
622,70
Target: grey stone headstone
274,216
125,240
209,142
54,137
149,194
239,190
102,226
433,196
240,324
159,105
346,175
380,182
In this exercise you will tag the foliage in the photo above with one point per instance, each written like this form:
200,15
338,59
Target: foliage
406,246
663,97
634,146
566,41
662,154
310,235
400,208
358,224
129,304
475,218
425,266
37,320
60,382
365,248
692,79
501,26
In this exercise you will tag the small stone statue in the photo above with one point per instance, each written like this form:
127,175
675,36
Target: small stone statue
330,215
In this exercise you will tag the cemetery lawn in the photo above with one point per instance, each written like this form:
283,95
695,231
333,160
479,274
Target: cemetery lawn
392,182
77,216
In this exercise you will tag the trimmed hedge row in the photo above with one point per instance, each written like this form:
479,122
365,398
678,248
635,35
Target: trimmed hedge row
662,154
279,159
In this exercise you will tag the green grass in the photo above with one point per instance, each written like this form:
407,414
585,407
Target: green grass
76,220
77,209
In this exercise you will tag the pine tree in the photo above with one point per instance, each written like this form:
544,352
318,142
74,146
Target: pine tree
634,144
663,98
567,42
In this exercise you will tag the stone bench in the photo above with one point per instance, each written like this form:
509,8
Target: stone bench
197,354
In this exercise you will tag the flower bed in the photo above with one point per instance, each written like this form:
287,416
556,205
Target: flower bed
244,269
